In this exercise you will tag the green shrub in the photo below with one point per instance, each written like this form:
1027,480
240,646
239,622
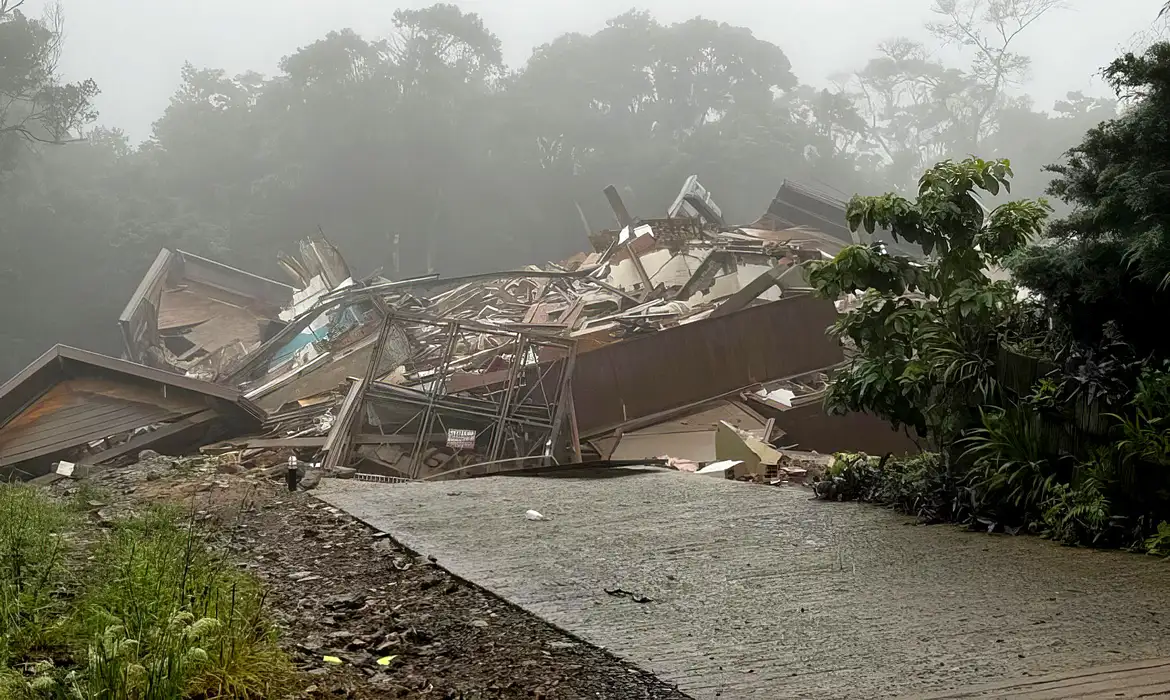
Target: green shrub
33,571
1011,474
155,613
168,617
1077,514
918,485
1158,544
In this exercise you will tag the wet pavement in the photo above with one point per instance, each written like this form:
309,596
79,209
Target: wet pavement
757,592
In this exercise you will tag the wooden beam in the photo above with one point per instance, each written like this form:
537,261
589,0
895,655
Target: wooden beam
319,441
618,206
145,440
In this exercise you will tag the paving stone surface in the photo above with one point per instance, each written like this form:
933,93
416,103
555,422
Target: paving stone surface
760,592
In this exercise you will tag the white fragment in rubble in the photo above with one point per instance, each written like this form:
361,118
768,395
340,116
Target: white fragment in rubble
780,396
720,468
533,515
65,468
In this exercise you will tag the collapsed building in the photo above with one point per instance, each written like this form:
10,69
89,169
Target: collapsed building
679,339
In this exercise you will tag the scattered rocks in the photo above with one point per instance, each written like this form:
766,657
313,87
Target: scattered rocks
311,479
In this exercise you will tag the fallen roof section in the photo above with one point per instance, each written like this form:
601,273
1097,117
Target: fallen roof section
796,205
71,403
190,311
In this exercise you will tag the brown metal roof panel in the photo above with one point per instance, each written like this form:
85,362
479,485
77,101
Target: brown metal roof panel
26,385
63,362
149,373
701,360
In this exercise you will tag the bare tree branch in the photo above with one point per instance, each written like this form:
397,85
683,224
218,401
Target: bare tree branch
7,6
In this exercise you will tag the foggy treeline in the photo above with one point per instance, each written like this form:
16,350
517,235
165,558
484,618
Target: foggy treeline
422,151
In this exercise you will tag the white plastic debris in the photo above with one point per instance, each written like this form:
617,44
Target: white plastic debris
533,515
65,468
720,468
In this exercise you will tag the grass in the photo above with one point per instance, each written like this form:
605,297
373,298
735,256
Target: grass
146,611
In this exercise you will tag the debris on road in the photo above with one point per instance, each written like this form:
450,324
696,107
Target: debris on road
619,593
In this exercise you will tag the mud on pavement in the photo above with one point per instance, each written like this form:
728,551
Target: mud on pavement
339,589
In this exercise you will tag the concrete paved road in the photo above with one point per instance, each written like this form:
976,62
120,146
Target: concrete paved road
759,592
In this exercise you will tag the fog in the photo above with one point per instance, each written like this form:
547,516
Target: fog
460,139
135,48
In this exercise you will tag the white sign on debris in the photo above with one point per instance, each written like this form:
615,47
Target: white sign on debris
461,439
65,468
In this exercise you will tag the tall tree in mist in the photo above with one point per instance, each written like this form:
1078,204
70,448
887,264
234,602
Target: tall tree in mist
37,112
919,110
420,151
36,107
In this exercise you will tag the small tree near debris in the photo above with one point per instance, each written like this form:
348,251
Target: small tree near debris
925,336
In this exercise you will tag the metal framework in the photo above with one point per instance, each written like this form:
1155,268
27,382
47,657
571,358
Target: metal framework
511,402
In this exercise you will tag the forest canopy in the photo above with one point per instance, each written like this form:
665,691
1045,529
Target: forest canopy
421,150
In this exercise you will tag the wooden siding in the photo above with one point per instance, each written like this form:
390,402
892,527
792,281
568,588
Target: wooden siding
79,411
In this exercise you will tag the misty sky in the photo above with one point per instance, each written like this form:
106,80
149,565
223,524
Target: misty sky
134,48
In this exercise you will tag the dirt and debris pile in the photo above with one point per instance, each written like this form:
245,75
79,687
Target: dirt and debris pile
643,347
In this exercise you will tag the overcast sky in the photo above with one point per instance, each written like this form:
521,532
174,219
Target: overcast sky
134,48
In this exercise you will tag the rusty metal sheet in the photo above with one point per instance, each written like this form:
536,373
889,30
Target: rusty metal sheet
811,429
704,359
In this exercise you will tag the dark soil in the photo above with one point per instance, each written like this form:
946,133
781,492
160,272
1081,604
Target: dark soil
400,626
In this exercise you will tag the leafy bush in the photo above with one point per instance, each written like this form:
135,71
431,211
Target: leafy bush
1158,544
926,335
1012,475
1076,514
1048,410
918,485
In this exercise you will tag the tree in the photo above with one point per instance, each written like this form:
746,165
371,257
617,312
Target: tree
35,106
1035,139
36,109
925,337
913,107
989,28
1106,266
918,110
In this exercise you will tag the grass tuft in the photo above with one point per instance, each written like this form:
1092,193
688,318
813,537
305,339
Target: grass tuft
154,614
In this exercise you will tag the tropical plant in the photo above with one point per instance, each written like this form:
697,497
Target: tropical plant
924,336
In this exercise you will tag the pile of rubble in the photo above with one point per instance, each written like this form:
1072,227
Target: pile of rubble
680,339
